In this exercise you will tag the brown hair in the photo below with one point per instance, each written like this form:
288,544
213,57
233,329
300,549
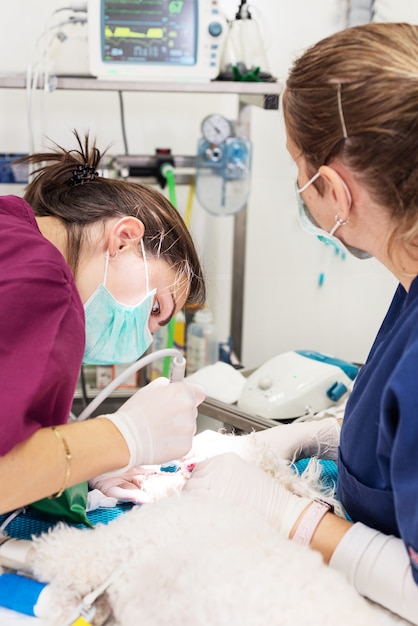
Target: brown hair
51,193
366,79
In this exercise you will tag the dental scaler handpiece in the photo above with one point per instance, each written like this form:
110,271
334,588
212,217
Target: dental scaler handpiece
178,369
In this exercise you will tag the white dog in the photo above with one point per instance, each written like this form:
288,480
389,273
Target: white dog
192,561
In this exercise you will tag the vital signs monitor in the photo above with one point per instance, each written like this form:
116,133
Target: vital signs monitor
172,40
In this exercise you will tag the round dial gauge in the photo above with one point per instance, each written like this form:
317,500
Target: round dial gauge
216,128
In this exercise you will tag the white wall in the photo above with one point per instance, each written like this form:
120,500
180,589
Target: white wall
284,306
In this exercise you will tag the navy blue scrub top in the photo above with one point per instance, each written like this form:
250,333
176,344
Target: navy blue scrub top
378,456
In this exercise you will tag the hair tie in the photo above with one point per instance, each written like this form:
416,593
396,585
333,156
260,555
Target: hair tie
83,174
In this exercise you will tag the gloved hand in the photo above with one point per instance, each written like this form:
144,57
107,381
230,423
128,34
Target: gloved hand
124,487
301,440
289,442
230,478
158,422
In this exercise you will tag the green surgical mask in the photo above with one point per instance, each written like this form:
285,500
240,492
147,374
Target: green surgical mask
115,332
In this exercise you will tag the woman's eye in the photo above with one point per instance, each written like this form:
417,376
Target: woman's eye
156,309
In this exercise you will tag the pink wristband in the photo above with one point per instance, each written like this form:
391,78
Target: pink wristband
309,522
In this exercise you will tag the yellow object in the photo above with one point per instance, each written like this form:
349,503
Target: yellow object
80,621
180,331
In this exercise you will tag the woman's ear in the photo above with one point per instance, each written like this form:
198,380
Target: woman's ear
125,232
338,190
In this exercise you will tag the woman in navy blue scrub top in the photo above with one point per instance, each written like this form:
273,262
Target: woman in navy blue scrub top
350,107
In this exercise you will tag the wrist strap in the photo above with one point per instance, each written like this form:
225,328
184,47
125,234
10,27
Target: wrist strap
310,521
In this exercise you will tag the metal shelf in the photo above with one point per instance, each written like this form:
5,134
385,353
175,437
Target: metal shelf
262,94
232,417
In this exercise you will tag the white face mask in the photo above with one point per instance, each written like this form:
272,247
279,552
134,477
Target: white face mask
115,332
309,224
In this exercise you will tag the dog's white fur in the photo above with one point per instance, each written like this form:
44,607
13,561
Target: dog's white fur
194,561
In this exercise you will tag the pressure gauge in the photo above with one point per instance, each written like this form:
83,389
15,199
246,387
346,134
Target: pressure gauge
216,128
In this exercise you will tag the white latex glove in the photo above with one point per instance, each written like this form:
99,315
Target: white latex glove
230,478
300,440
289,442
158,422
124,487
96,499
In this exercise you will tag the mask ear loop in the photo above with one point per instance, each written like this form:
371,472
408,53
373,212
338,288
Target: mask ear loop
339,222
341,112
108,257
310,181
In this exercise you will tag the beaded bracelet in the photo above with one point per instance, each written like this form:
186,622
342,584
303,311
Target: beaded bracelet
68,458
310,521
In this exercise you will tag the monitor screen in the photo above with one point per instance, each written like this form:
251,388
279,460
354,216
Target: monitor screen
155,39
152,31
